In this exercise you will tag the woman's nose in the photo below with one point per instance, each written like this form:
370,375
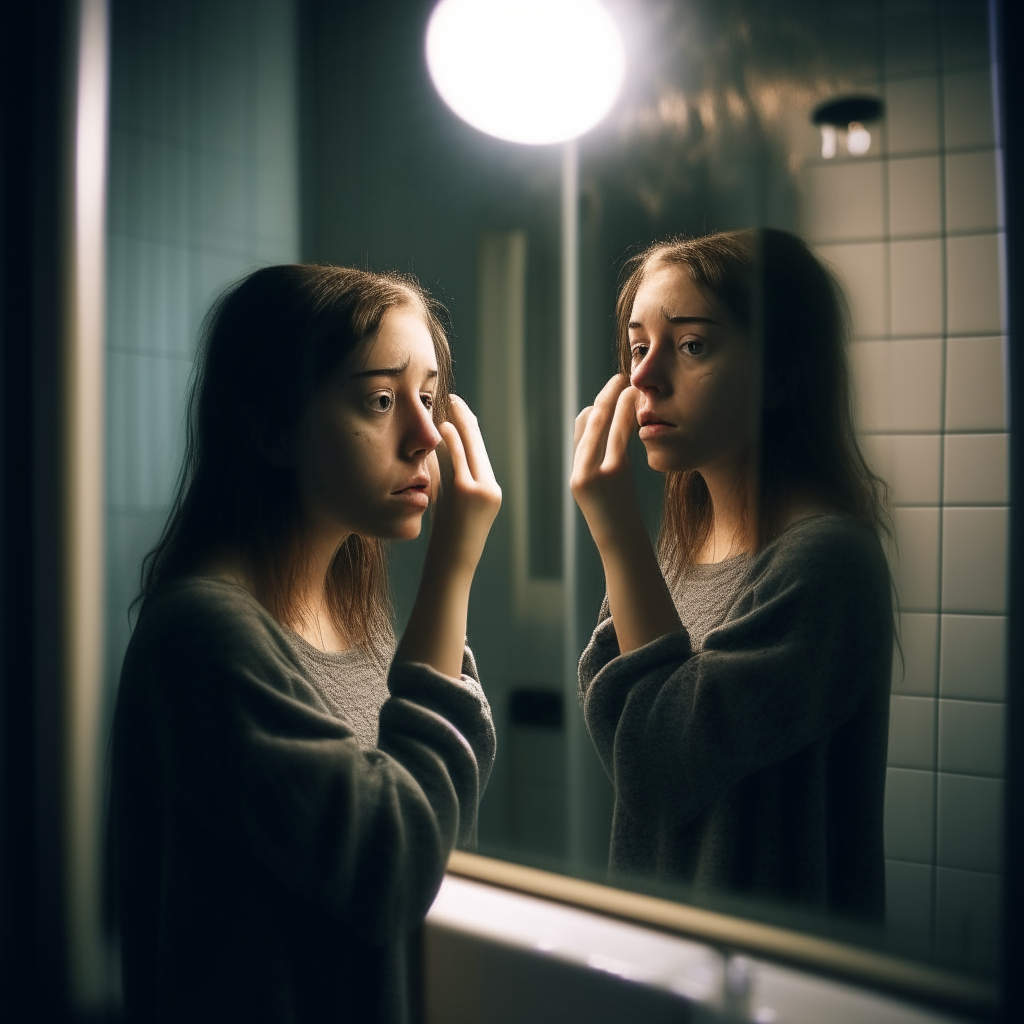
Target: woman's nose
422,437
649,373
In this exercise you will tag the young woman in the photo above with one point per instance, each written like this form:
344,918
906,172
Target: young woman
737,687
283,802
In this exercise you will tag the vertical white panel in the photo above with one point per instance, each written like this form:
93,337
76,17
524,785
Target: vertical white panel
83,446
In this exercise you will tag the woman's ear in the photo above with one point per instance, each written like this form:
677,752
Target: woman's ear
271,442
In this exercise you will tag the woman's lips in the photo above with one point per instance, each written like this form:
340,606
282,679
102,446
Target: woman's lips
417,495
652,427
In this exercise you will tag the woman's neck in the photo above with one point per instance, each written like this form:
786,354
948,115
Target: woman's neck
312,618
732,520
315,621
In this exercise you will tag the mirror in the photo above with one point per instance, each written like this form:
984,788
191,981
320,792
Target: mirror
310,131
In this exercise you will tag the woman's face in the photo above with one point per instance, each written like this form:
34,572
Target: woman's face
700,394
361,446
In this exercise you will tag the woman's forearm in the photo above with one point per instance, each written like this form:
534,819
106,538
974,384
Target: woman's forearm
436,632
641,605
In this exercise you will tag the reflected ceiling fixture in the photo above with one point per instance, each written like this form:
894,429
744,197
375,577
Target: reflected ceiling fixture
529,71
848,114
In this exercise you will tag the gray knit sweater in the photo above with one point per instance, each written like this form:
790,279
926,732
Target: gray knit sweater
273,855
754,761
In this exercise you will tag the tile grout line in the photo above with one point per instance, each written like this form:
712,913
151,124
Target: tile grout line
944,324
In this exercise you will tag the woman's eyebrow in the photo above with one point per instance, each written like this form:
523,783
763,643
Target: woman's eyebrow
678,320
689,319
386,371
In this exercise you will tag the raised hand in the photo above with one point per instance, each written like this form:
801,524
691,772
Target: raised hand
466,500
602,484
467,496
601,481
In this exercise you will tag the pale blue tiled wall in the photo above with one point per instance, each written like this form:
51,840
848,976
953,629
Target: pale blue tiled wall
914,229
203,187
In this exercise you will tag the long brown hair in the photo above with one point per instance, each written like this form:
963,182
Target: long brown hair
267,344
788,304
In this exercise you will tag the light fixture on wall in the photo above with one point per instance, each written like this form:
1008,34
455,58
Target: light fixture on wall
540,72
848,115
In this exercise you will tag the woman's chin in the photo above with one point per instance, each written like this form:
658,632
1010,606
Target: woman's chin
407,528
661,461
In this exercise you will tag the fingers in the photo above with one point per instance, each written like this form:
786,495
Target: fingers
451,455
471,441
593,439
434,471
622,427
581,423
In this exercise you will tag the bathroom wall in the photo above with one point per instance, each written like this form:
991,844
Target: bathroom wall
203,187
914,230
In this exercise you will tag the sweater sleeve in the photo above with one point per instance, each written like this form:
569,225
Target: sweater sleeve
792,662
246,746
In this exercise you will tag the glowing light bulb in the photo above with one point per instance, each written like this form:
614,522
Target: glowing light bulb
858,139
828,141
530,71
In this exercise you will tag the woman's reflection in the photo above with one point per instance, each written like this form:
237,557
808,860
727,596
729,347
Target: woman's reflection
737,685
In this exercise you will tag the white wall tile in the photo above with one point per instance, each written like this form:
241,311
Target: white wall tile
908,904
912,732
964,33
898,385
914,204
843,201
967,105
860,268
968,908
972,663
973,289
911,38
975,384
970,822
917,566
971,203
915,291
908,463
919,636
909,815
971,737
976,469
912,115
974,559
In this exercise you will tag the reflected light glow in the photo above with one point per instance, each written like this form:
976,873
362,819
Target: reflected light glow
858,139
529,71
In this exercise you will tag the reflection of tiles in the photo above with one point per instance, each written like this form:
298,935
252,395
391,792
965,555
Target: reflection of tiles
860,267
929,367
974,554
973,301
973,658
898,385
914,202
975,384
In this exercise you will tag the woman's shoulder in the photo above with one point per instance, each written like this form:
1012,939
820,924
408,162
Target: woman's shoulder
826,545
191,613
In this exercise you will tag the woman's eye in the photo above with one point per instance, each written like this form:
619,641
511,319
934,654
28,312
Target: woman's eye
428,401
638,353
693,347
381,401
